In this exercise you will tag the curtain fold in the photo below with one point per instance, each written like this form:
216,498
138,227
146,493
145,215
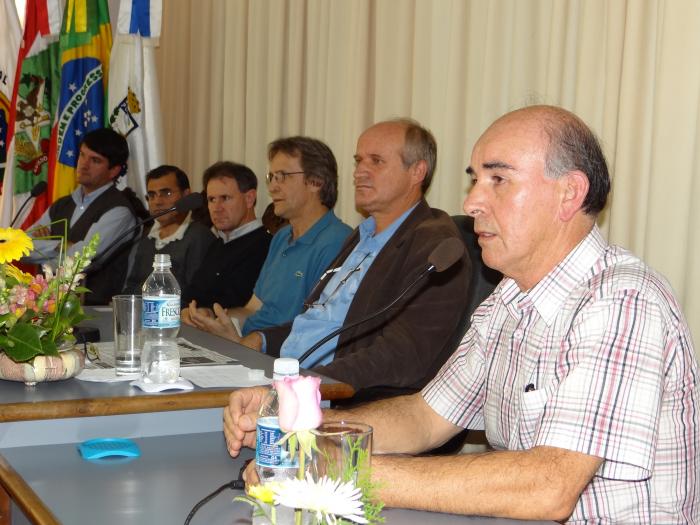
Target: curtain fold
236,74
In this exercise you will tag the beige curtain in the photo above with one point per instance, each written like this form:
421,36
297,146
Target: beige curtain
236,74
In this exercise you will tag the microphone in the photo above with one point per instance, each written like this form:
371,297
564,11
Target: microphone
38,189
443,256
189,202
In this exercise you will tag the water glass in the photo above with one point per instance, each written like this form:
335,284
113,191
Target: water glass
160,361
128,335
344,450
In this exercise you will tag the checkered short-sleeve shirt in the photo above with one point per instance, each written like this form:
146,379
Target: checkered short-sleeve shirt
596,358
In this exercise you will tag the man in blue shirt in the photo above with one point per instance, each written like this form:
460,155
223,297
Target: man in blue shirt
303,183
400,350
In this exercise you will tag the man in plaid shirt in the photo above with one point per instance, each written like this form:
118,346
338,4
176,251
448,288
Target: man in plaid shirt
580,366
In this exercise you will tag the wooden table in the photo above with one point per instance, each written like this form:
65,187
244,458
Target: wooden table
75,398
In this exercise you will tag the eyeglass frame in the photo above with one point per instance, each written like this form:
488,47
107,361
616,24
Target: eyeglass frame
164,193
340,284
280,177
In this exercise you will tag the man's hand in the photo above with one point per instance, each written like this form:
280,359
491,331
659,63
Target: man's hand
216,322
240,418
41,231
250,475
187,313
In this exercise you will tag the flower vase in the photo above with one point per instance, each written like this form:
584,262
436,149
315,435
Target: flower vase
68,363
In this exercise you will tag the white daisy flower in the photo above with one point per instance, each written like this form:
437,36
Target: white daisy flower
329,499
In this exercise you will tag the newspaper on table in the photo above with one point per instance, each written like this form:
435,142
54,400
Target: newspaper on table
195,365
101,355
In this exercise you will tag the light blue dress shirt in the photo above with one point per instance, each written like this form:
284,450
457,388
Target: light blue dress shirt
331,308
110,225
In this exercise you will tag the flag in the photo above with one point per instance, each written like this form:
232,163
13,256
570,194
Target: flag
11,36
85,44
32,109
133,88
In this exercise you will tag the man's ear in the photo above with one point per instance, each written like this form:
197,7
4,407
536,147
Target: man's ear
418,171
574,191
186,191
250,198
114,172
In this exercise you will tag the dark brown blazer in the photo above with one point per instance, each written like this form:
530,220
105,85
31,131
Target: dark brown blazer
402,349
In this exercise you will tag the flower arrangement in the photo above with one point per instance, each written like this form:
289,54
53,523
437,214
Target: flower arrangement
38,312
344,497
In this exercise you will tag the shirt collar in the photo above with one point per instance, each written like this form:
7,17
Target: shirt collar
368,227
238,232
548,295
177,235
81,198
310,235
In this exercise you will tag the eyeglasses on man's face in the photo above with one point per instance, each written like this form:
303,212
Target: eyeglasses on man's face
165,193
280,176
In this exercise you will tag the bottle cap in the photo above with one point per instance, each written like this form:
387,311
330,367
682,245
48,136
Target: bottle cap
285,366
162,260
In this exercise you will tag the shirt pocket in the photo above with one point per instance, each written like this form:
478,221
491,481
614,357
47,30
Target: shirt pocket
532,405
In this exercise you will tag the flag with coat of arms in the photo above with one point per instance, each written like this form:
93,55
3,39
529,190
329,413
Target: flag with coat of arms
134,105
32,109
11,36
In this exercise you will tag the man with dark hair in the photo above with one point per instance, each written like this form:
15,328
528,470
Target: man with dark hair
303,184
400,350
232,263
580,366
185,240
95,206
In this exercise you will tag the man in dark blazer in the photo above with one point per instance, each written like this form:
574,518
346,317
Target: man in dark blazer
400,350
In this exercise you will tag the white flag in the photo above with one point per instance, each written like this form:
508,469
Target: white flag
133,88
10,38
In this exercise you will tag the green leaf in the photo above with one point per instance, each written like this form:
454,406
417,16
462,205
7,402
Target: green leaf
49,348
26,341
5,342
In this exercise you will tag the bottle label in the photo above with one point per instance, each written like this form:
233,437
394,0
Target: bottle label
267,452
161,311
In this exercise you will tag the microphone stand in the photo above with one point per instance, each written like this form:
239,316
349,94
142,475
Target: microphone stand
36,191
187,203
97,260
430,269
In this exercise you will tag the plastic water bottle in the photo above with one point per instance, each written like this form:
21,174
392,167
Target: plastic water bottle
273,462
160,359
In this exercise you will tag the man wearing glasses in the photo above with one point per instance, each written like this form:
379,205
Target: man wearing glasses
303,183
173,233
400,350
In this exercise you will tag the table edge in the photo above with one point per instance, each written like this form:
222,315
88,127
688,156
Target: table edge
109,406
19,491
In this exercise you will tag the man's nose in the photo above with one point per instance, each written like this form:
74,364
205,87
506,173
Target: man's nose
359,171
474,202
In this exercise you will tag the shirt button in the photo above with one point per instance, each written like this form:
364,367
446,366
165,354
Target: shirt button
518,334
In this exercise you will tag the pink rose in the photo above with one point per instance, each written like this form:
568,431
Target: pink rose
299,400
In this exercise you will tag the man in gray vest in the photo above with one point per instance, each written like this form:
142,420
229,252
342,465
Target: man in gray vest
95,206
